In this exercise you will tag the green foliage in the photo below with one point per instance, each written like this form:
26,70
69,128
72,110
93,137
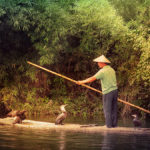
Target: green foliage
136,13
129,10
143,72
96,24
65,35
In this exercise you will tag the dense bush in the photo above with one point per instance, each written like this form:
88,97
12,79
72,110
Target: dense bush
65,36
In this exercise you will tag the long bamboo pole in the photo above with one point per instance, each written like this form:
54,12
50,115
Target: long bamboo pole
57,74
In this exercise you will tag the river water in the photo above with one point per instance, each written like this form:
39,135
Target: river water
12,138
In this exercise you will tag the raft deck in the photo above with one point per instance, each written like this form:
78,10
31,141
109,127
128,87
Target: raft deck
30,124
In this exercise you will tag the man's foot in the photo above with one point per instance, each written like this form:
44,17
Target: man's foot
105,126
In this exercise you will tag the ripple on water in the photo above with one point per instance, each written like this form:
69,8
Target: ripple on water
17,139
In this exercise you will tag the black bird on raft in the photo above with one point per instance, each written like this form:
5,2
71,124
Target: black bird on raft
62,116
18,116
13,113
136,121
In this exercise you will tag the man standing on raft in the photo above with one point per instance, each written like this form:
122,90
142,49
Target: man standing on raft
107,76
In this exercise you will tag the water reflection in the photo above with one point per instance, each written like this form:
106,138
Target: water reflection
107,141
62,142
125,141
111,141
26,139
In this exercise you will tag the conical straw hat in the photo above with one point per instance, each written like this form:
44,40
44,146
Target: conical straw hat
102,59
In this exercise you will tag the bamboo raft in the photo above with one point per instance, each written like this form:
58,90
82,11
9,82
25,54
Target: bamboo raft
38,125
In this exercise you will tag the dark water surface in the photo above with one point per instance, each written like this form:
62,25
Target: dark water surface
12,138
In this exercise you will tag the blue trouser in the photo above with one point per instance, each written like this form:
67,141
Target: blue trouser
110,108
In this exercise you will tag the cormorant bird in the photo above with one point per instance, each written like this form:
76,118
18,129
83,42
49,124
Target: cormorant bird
18,116
62,116
17,119
13,113
136,121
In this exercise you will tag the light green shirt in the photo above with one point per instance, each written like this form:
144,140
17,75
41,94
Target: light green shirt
107,76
